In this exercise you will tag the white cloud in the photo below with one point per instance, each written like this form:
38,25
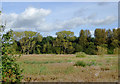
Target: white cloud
35,19
30,18
106,21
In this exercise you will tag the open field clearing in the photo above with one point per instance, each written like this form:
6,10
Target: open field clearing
61,68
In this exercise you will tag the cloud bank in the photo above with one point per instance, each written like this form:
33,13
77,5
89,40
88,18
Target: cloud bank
35,19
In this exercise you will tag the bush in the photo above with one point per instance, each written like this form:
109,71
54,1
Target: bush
101,50
80,54
116,50
80,63
11,71
83,64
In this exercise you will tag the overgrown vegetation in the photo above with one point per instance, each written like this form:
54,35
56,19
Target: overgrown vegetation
10,69
80,63
116,50
80,54
101,50
83,64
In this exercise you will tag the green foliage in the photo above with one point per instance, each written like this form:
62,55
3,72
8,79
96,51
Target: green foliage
91,48
80,63
70,48
10,69
29,42
84,35
83,64
101,50
65,34
57,50
78,47
80,54
100,36
116,50
110,51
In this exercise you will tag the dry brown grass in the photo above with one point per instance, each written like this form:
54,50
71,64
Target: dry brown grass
60,68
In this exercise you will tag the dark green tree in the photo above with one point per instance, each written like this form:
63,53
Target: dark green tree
100,36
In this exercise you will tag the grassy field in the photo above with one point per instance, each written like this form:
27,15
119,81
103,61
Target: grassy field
61,68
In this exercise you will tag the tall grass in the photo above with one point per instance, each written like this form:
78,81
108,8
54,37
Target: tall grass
80,63
83,64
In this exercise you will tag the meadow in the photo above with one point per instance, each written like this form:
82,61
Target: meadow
61,68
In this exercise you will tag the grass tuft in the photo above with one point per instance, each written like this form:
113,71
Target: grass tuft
80,63
83,64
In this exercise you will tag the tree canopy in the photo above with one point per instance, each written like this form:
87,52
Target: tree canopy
29,42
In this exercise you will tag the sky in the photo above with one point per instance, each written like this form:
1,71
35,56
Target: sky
48,18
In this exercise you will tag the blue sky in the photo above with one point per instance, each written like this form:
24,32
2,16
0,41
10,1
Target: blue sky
50,17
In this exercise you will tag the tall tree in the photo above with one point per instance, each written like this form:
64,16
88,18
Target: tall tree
29,40
63,41
115,40
100,36
84,37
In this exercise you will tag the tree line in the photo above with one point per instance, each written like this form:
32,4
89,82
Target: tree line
29,42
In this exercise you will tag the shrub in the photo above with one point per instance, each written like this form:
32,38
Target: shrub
83,64
116,50
80,63
80,54
11,71
101,50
